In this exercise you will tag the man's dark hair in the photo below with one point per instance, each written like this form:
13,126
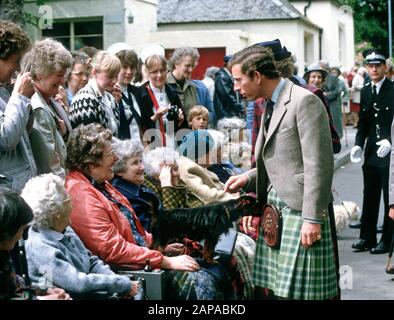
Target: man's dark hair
14,213
256,58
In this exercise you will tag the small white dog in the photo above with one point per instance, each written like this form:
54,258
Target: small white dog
344,213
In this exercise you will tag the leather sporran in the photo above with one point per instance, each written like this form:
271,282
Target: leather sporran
271,225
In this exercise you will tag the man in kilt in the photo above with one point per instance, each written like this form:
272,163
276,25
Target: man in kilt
294,170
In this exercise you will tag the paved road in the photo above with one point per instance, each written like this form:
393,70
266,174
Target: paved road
362,274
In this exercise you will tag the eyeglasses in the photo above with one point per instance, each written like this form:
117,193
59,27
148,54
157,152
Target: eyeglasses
80,74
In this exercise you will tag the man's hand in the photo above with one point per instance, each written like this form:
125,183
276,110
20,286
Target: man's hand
355,154
310,233
384,149
391,213
235,183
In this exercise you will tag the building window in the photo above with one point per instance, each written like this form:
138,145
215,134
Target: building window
308,49
342,44
77,34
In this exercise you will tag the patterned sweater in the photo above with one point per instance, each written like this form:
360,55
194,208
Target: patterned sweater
90,106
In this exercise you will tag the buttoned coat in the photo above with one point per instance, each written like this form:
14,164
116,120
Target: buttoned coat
296,155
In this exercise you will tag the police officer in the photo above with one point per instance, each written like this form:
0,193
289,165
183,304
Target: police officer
374,132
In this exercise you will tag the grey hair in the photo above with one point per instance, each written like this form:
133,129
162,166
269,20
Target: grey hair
179,53
45,57
231,123
45,195
154,158
218,138
125,150
211,71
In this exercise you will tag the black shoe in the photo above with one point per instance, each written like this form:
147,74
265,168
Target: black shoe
362,245
355,225
380,248
390,270
379,229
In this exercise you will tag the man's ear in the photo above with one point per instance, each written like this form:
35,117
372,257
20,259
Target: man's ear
257,76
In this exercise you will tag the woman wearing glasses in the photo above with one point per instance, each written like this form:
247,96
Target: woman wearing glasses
79,75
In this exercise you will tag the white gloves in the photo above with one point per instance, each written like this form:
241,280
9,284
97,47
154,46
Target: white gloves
355,154
384,149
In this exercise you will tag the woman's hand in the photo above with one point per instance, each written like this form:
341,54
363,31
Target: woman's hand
117,92
182,263
310,233
174,249
24,85
160,112
134,288
55,294
165,176
247,224
181,117
61,97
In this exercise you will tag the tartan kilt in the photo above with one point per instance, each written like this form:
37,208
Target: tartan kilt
292,271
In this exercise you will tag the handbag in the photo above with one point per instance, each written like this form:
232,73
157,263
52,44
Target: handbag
271,226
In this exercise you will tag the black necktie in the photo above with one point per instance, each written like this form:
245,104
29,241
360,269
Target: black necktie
268,114
374,92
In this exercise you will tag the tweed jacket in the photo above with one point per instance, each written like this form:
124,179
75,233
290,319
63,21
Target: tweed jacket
101,226
204,184
48,146
296,155
17,164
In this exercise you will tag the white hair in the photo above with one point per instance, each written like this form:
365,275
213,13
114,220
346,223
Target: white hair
238,154
231,123
218,138
125,150
155,158
45,195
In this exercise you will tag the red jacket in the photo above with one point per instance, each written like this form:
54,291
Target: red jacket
103,228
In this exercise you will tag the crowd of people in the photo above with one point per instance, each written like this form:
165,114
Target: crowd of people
96,145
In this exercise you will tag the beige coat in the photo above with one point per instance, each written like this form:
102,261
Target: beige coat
204,184
47,143
296,155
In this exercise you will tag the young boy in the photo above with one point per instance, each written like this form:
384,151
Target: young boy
198,117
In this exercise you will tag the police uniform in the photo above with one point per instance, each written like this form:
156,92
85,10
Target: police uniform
376,115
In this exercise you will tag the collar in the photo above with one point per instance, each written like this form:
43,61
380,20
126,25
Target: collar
278,90
228,72
92,82
131,188
43,95
378,84
157,90
52,234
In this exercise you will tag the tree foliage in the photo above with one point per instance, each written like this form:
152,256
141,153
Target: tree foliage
371,22
13,10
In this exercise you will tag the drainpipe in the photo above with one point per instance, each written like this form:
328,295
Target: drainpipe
307,7
320,43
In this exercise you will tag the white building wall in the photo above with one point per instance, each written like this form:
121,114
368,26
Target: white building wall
113,16
329,17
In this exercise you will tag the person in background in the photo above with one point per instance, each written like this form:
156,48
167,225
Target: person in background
78,77
181,64
374,134
131,116
15,215
17,164
355,94
49,61
94,102
227,102
209,80
55,254
198,117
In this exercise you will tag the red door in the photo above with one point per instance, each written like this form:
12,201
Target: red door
208,57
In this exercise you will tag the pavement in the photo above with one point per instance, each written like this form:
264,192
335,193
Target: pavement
347,142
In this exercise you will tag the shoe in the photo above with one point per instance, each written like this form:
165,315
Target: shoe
390,270
362,245
379,229
355,225
380,248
